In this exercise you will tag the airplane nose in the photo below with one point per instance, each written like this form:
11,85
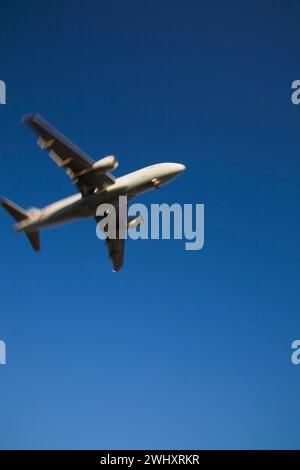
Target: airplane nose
166,172
177,168
180,167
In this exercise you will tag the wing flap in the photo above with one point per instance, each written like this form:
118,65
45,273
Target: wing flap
60,147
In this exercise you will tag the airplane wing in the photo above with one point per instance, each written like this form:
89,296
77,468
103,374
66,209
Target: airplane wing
74,161
116,252
116,248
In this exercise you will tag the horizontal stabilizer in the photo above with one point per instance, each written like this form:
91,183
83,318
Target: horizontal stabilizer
15,211
34,238
19,215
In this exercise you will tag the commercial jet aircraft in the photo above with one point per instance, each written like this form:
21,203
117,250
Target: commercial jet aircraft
95,183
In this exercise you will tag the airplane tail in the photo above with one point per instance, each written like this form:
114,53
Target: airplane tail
20,215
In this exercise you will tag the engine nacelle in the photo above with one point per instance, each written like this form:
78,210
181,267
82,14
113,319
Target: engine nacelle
105,164
134,221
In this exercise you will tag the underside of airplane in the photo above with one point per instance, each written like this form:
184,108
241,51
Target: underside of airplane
95,185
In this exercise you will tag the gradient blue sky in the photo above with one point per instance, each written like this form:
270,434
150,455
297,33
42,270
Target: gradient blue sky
180,349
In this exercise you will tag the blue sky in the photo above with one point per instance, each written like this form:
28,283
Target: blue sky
180,349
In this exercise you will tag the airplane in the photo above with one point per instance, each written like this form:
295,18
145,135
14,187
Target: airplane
95,183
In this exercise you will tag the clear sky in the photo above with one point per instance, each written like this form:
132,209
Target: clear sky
180,349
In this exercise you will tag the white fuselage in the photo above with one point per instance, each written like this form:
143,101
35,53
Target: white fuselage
79,206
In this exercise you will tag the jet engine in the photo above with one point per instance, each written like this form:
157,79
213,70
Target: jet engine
105,164
135,221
